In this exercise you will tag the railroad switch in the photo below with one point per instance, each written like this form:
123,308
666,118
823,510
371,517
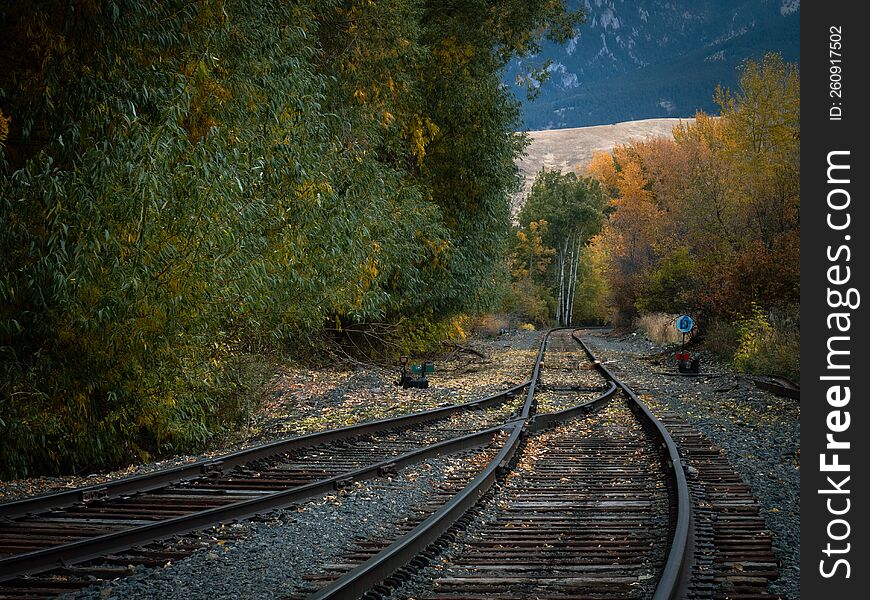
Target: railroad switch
417,376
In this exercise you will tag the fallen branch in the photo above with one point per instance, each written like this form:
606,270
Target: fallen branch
462,348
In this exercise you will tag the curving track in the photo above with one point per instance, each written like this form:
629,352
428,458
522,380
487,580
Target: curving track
575,491
596,508
585,514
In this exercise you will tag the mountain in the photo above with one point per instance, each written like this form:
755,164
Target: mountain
641,59
571,149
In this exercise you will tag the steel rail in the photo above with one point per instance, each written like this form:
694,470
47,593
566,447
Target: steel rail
677,569
164,477
544,420
398,554
357,581
529,405
83,550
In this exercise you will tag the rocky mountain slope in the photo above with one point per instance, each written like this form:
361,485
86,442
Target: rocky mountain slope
639,59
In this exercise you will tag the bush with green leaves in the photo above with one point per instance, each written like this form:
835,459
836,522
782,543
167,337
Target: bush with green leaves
769,342
186,186
671,286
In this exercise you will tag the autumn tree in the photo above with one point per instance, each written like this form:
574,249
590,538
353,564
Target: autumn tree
574,208
185,186
709,222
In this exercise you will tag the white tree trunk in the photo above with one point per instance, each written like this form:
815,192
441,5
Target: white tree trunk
560,315
571,276
575,268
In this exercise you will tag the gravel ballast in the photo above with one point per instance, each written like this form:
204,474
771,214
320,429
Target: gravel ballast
303,400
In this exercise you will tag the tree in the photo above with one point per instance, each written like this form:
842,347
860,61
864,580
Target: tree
529,262
574,208
183,184
709,221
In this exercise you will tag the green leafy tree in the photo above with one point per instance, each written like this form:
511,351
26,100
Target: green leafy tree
574,207
184,185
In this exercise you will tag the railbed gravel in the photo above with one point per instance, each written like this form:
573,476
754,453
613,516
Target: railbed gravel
275,551
759,431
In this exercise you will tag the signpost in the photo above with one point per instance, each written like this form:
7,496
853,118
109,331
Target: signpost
684,325
408,381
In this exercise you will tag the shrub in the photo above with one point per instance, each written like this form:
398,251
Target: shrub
721,338
490,325
423,335
670,287
532,301
769,343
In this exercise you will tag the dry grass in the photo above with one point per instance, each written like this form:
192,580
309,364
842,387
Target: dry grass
659,327
489,326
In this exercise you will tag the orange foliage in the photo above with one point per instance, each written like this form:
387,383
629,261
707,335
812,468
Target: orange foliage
726,189
4,127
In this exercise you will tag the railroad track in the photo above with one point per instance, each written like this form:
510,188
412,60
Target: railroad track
63,541
598,505
576,492
585,514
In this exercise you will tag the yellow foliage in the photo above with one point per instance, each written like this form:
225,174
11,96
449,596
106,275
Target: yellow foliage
66,335
4,127
458,327
420,131
210,12
454,53
208,93
530,255
632,185
372,268
312,190
603,169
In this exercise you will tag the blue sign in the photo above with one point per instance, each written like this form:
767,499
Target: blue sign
685,323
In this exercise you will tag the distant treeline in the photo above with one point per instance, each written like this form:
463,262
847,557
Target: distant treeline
186,183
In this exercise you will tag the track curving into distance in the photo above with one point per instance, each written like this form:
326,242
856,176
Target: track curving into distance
609,477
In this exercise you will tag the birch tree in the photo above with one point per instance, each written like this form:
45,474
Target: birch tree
574,207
